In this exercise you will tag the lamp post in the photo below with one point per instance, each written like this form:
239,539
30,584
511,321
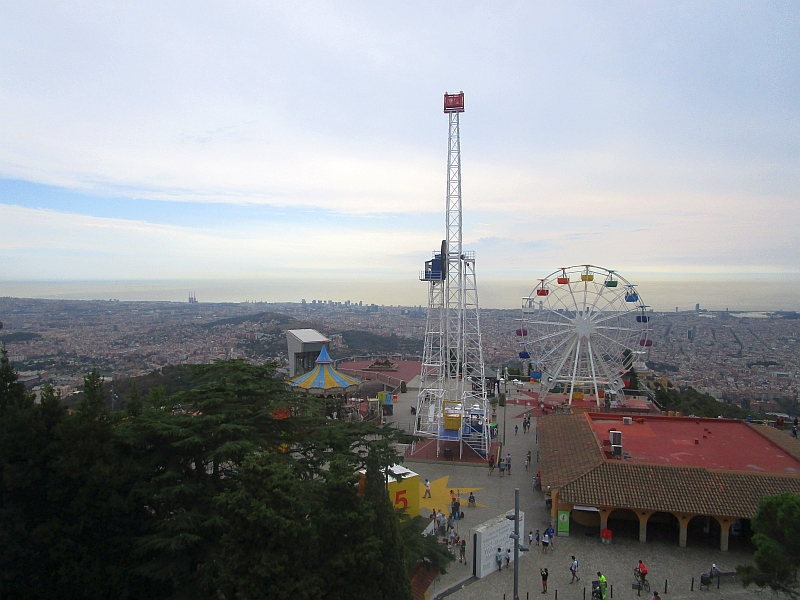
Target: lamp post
517,546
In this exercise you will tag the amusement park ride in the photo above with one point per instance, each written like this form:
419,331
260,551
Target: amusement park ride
452,404
582,328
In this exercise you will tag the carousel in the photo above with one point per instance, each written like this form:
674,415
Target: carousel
326,382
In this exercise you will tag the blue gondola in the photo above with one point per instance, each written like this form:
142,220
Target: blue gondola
642,319
524,354
536,374
634,297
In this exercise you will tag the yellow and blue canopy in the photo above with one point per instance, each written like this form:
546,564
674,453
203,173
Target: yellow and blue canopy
324,379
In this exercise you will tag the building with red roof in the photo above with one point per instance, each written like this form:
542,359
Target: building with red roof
685,470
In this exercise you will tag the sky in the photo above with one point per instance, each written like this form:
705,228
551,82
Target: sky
283,145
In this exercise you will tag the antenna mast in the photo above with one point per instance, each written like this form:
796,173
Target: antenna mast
452,403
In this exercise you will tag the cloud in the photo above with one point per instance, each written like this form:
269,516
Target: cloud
656,138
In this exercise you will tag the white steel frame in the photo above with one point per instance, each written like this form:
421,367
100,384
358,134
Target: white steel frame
453,367
578,332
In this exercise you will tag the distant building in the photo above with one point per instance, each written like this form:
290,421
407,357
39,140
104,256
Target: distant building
304,346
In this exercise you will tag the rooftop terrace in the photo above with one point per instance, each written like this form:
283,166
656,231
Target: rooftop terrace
695,442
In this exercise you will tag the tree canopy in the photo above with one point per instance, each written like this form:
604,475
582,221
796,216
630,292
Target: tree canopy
776,535
207,492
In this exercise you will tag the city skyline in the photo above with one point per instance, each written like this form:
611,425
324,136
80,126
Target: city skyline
281,146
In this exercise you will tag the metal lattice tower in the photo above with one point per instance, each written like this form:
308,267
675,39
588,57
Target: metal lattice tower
452,403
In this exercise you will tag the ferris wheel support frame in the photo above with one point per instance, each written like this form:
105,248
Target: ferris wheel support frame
586,323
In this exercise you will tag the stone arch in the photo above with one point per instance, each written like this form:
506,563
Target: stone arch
703,531
662,527
624,523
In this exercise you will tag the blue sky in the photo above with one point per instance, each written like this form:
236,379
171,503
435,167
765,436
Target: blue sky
298,140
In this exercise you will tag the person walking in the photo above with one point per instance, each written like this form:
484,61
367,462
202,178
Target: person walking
574,570
499,558
537,537
529,456
508,463
545,542
462,549
427,493
530,539
603,584
502,467
491,464
526,464
544,575
508,557
516,429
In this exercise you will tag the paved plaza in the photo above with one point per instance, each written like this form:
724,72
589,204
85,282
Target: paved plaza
495,496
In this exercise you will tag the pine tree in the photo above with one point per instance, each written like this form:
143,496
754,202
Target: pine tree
388,578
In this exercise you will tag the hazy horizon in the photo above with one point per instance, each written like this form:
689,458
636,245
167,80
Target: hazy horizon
755,293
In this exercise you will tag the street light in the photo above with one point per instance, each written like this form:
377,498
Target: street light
517,546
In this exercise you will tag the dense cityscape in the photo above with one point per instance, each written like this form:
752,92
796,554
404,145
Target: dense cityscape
750,359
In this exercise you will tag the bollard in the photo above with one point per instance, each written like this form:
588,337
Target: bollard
639,590
665,586
612,590
556,594
718,578
584,592
691,590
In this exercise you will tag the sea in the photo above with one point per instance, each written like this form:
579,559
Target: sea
755,293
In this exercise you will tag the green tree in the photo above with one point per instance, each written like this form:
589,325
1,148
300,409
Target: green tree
776,528
387,574
95,398
133,402
12,391
426,549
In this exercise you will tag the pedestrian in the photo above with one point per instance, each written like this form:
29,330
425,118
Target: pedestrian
508,463
529,456
544,575
502,467
453,536
491,464
530,539
450,523
499,558
452,498
603,584
526,464
574,570
462,548
537,537
545,542
508,557
516,429
552,536
427,493
440,518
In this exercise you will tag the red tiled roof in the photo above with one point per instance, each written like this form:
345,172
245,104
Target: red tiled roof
421,579
573,461
675,489
568,449
782,439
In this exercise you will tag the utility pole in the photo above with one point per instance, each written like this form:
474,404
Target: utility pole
517,546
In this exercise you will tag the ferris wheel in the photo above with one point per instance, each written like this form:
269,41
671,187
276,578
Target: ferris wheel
583,327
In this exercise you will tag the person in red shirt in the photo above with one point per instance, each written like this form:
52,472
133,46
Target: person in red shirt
642,571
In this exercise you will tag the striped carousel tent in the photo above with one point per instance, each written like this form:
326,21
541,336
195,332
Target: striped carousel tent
324,380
